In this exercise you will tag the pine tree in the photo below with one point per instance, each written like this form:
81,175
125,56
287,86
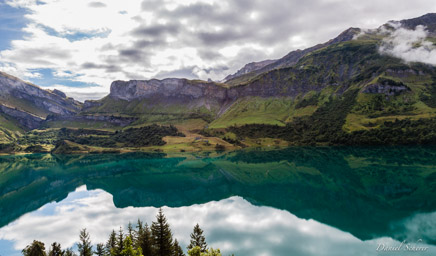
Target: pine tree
85,248
198,239
131,231
138,234
37,248
55,250
69,252
144,240
162,238
177,249
128,248
111,242
119,245
139,225
100,251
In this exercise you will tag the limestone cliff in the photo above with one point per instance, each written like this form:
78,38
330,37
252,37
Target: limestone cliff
29,104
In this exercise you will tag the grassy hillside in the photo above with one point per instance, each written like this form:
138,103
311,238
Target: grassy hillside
331,71
151,111
343,93
9,130
255,110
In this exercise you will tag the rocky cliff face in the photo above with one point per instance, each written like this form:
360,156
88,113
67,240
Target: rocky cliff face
192,93
172,91
29,105
14,90
25,119
170,88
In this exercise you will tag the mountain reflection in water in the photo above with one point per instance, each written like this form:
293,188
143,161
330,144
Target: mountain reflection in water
298,200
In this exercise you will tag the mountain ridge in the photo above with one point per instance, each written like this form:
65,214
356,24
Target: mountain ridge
344,88
250,67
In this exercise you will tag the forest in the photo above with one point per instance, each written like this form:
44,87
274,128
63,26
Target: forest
324,127
141,240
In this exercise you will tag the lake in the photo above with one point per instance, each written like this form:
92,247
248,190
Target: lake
293,201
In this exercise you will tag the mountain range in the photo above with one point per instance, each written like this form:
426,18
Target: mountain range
354,89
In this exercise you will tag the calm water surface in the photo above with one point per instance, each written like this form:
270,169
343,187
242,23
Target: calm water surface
294,201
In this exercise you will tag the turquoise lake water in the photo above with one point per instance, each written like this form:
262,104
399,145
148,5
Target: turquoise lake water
293,201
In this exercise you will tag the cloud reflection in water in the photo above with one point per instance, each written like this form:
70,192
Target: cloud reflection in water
233,224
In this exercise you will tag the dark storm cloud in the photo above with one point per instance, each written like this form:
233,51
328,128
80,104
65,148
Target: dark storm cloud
97,4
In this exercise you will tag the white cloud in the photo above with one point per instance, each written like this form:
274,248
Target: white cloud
142,39
33,75
409,45
81,93
233,225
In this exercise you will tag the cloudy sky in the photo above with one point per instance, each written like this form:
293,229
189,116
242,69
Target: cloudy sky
81,46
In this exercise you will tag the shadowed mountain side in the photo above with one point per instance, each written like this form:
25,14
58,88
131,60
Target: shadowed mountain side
30,104
288,60
330,185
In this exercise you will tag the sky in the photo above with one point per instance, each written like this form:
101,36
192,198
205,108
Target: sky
81,46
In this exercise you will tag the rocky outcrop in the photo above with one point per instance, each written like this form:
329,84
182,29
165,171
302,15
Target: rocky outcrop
29,105
24,118
401,73
193,94
387,87
91,104
428,20
170,88
59,93
196,94
37,100
387,90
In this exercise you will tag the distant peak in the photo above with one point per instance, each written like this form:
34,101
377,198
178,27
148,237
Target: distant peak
428,20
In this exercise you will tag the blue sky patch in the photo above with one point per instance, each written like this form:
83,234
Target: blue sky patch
7,248
11,23
76,36
48,79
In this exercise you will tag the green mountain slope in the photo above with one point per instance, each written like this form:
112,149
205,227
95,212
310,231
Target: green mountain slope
26,105
321,95
345,91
